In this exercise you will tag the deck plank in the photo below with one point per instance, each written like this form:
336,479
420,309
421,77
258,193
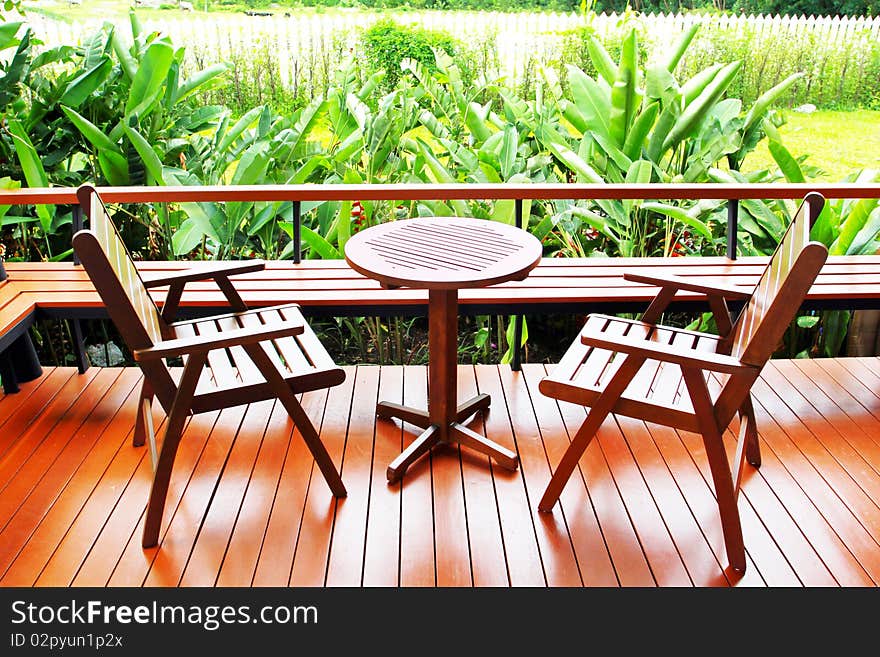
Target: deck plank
486,540
24,469
450,514
382,540
316,532
44,517
524,560
227,498
285,518
246,506
557,554
588,543
245,542
417,556
350,530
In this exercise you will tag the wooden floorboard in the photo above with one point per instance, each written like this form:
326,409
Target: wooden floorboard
247,507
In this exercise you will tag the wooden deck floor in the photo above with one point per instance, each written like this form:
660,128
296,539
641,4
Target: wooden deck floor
246,509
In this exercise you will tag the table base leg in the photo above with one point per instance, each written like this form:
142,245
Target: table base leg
479,403
406,413
432,435
464,436
417,448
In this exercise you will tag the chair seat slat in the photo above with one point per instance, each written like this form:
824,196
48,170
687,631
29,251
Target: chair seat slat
247,371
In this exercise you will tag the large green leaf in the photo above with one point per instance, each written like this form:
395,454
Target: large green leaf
84,85
826,227
695,111
867,240
679,214
556,145
199,80
7,34
504,210
619,158
8,183
152,72
624,94
509,147
475,118
462,155
441,175
152,163
660,84
636,138
602,60
854,222
126,61
32,167
319,245
684,41
638,173
91,132
186,237
762,104
786,161
200,214
247,119
593,104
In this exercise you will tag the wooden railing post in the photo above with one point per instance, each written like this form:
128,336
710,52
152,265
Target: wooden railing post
516,347
732,227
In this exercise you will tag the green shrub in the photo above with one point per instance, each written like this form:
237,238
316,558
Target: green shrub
387,43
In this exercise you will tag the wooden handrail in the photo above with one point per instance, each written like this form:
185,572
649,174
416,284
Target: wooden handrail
733,193
459,191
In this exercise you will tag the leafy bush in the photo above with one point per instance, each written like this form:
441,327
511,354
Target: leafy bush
386,44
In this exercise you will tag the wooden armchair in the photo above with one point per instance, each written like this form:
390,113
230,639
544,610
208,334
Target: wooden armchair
613,366
234,358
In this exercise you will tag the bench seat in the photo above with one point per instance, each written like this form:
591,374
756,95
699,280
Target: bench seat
332,287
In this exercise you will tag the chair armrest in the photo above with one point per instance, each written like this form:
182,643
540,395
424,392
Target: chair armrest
231,338
201,273
220,272
649,349
679,283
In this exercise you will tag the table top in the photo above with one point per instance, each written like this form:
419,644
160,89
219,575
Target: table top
443,252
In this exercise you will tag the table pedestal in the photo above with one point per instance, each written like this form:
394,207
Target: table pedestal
442,421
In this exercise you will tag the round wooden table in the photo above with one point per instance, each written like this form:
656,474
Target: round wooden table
443,254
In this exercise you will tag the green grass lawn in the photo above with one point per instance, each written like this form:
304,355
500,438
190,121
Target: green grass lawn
838,142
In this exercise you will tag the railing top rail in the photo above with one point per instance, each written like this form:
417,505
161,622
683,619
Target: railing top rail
460,191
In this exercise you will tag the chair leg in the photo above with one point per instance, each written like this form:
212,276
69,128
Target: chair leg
141,428
300,418
569,461
596,415
722,480
313,441
753,448
173,432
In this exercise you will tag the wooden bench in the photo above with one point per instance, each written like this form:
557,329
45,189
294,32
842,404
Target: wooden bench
332,288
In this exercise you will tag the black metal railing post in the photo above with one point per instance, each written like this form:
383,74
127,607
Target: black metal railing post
732,227
297,232
76,226
516,348
76,334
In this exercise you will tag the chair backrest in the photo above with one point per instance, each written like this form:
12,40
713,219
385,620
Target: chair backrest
113,273
780,291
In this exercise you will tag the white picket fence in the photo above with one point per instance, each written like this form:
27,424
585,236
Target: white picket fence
303,40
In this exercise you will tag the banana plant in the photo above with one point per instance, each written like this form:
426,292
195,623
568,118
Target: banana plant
636,126
150,117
